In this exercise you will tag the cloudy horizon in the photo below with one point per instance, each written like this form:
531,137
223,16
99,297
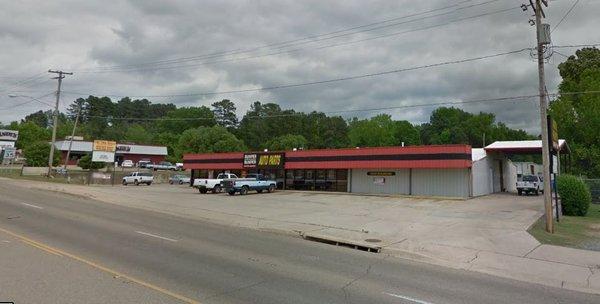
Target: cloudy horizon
147,48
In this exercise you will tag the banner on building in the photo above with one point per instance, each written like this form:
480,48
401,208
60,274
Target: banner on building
263,160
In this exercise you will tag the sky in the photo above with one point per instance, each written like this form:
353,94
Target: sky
179,50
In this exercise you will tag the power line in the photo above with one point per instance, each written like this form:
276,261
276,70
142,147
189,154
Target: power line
318,82
575,46
306,40
288,51
565,15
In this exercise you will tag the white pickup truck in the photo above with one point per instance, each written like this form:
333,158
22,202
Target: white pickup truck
212,184
530,184
256,182
137,178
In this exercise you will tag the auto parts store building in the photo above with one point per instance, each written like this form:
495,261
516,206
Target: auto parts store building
443,170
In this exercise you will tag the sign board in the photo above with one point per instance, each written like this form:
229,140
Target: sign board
103,156
9,153
263,160
123,148
381,173
555,135
104,145
10,135
379,180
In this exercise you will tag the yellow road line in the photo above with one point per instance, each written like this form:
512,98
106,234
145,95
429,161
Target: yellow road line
41,247
98,266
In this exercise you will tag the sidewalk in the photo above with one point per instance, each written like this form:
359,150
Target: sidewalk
486,234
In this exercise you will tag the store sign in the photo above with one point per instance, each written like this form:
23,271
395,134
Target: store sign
263,160
104,145
103,156
9,153
379,180
381,173
122,148
104,151
9,135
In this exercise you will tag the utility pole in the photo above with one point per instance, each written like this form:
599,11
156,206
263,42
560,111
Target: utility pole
55,119
72,134
541,36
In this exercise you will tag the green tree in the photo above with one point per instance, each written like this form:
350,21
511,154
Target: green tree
286,142
578,115
406,133
37,154
181,119
375,132
264,122
86,163
39,118
137,134
208,140
30,133
224,112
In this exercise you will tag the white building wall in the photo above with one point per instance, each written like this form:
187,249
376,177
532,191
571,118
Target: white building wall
361,182
510,176
441,182
482,171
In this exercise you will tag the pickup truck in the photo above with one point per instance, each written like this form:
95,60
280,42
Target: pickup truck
137,178
163,166
213,184
256,182
530,184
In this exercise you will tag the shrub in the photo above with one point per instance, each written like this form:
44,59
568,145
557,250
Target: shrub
86,163
37,153
574,194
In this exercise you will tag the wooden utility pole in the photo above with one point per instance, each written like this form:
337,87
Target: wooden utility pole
55,117
541,41
72,135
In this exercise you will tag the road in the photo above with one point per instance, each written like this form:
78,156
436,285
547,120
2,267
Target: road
198,262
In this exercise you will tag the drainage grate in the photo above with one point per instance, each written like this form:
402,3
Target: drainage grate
373,240
363,247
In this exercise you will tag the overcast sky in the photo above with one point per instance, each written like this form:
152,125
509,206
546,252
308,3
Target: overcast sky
236,45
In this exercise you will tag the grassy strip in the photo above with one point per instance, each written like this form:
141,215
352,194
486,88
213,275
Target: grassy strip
572,231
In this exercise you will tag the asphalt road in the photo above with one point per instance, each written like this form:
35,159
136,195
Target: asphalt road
209,263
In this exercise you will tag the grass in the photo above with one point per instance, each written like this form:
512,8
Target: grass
581,232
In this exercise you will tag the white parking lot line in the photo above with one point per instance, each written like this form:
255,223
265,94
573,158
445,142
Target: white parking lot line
33,206
157,236
407,298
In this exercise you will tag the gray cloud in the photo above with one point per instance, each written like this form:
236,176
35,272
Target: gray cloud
78,35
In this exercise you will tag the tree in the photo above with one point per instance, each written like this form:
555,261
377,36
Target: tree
224,112
208,140
30,133
578,115
406,133
286,142
137,134
39,118
37,154
264,122
375,132
86,163
181,119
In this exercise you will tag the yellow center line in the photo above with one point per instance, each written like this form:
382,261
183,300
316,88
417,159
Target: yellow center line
60,252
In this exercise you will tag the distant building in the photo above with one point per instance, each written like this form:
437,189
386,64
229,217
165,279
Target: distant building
131,152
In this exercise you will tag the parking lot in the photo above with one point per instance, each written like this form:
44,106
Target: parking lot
496,223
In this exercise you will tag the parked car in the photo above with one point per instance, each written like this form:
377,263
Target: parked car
137,178
213,184
530,184
179,179
144,162
163,166
128,163
256,182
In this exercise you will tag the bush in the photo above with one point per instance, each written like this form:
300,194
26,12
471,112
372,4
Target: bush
36,154
574,194
87,163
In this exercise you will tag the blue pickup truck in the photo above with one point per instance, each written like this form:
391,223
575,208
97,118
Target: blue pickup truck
253,182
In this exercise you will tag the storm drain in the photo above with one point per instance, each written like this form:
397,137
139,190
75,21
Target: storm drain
343,243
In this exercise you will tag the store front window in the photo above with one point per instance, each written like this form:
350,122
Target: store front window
320,180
